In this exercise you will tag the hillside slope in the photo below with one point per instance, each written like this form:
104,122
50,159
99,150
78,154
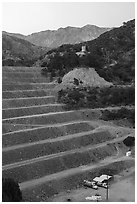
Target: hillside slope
112,54
19,52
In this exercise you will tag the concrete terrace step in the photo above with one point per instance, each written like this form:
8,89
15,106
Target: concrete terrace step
44,187
27,93
29,101
51,146
25,86
61,161
53,118
45,132
31,110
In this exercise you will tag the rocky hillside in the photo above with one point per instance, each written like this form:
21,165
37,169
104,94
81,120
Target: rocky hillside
19,52
112,54
68,35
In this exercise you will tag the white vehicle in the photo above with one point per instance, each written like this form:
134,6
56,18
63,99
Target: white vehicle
90,184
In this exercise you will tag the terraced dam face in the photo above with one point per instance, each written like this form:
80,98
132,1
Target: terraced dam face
49,150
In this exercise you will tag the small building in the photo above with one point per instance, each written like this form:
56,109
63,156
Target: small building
82,52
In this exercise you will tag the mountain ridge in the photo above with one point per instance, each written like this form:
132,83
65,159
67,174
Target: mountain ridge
67,35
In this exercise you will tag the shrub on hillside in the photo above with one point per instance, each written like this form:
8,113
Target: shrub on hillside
123,113
95,97
10,191
129,141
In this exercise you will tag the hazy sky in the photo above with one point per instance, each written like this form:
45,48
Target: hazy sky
26,18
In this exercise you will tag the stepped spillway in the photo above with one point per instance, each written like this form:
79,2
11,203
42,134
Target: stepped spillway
47,149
